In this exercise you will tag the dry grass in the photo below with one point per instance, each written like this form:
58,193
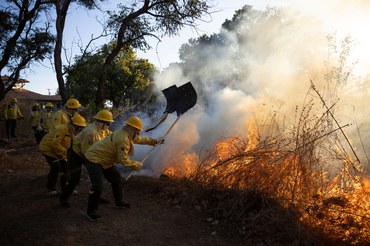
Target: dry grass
297,185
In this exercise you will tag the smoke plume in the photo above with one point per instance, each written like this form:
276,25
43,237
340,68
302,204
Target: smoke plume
277,58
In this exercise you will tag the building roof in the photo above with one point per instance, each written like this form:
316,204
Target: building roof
23,94
19,84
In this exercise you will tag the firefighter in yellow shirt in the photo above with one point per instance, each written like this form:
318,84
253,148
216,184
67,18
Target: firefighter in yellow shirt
54,146
11,114
35,121
45,116
101,156
64,115
88,136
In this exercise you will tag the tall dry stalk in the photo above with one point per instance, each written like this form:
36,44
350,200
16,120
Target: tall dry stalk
306,166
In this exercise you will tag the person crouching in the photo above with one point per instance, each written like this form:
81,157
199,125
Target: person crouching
101,157
54,146
81,142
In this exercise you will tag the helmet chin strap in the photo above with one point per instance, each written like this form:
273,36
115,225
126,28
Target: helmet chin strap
101,125
69,112
130,130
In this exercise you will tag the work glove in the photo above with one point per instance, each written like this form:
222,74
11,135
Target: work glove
137,166
159,141
64,158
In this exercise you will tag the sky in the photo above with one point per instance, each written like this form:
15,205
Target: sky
81,25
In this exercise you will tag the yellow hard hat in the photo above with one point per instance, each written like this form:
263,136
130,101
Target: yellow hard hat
36,105
78,120
73,103
14,100
104,115
135,122
49,105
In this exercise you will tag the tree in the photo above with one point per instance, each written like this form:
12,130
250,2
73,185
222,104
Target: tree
127,81
133,23
199,57
22,39
61,7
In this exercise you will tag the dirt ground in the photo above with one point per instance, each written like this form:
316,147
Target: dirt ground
30,217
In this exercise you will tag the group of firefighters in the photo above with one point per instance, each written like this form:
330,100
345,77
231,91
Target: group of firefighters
68,143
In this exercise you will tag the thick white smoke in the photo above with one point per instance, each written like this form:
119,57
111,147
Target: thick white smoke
280,56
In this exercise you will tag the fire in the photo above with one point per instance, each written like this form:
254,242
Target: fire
187,166
170,171
252,134
293,170
227,147
293,175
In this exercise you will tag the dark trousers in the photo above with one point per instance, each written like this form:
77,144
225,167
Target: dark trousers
56,167
75,163
96,173
39,134
10,126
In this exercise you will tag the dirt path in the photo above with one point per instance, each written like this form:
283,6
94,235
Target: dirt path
29,217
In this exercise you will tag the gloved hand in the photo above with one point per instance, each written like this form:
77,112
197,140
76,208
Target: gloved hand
160,141
137,166
62,159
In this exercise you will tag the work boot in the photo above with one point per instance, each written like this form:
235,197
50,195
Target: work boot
52,193
93,216
122,205
93,202
117,192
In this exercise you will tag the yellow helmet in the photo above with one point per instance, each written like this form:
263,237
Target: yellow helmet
36,105
73,103
49,105
78,120
14,100
135,122
104,115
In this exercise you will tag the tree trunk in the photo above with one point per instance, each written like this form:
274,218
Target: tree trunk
100,94
61,10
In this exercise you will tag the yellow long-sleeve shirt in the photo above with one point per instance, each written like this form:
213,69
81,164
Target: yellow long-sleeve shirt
12,112
116,148
60,117
56,142
35,116
45,120
88,136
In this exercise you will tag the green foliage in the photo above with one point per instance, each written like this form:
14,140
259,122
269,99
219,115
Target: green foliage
201,48
80,79
135,21
127,77
22,37
37,46
89,4
23,40
165,17
6,25
230,25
